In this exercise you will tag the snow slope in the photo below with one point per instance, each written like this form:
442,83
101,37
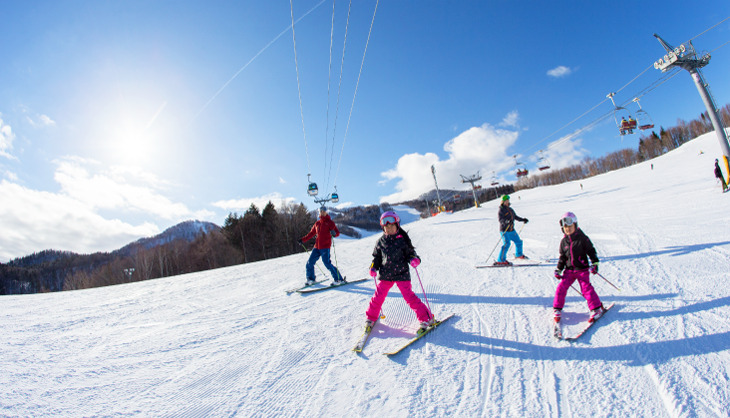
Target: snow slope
231,342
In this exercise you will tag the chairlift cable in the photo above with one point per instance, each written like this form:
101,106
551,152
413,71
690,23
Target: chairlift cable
709,29
339,91
299,88
357,84
329,82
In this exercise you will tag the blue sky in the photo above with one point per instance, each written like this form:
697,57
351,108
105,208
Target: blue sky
119,119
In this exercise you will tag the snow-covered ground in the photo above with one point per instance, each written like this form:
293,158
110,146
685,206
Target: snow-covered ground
232,342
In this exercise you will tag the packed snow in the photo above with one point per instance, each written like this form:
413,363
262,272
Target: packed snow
232,342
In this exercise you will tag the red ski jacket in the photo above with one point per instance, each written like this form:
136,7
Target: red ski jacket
322,229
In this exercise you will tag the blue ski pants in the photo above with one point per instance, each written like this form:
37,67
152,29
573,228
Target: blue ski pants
507,239
325,254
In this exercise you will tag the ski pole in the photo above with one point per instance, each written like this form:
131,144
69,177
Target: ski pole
614,286
318,267
334,251
500,239
572,287
495,247
382,315
424,292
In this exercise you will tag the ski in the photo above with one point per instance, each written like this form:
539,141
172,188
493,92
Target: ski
586,327
484,266
363,339
296,289
557,330
331,286
418,337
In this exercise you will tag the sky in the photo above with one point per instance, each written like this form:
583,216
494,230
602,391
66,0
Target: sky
119,119
230,341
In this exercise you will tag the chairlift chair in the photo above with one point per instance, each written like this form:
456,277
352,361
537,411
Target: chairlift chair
543,163
312,190
643,118
521,168
494,179
626,124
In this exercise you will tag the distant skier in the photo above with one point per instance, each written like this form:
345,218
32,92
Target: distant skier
392,254
324,229
576,249
507,218
718,174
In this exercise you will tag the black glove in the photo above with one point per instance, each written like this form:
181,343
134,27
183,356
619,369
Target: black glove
558,274
333,233
527,220
301,241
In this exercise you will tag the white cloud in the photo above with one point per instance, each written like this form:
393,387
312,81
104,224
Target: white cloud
282,181
35,220
563,152
559,71
115,188
6,140
242,204
481,149
71,219
510,121
40,121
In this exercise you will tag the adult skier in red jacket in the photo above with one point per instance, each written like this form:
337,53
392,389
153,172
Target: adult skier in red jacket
324,229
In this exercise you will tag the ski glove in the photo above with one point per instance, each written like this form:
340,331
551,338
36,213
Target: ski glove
558,275
333,233
527,220
594,269
415,262
373,273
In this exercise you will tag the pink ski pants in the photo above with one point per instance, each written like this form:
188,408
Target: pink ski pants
381,291
583,277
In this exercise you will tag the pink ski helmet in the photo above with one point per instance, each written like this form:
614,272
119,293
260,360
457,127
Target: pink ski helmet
568,219
389,217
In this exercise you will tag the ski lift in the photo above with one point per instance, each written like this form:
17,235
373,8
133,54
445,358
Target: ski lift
642,117
543,163
495,182
312,190
521,168
334,197
627,124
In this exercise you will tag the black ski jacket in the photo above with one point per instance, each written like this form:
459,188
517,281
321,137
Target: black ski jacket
392,255
575,251
507,218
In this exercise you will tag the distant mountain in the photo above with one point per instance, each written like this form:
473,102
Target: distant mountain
188,231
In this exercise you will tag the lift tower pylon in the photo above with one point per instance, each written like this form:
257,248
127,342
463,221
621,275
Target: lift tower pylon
685,57
472,179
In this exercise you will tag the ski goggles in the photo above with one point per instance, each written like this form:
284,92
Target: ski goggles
388,220
566,221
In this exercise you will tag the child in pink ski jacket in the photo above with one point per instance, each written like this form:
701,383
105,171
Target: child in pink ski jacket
392,254
576,249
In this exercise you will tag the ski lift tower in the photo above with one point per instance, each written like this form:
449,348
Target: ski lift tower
473,179
685,57
438,195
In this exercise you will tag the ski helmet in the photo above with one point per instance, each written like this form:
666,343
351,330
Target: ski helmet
389,217
569,218
505,198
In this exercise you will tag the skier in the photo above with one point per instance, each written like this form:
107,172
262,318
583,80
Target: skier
718,174
575,251
507,218
392,254
324,229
